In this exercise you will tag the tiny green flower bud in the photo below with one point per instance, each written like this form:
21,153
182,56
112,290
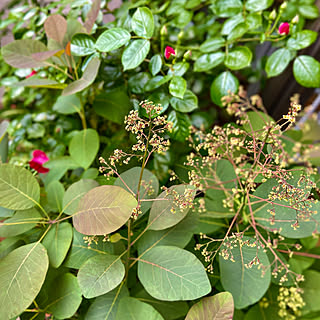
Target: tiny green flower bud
187,54
273,15
180,35
164,30
295,19
283,6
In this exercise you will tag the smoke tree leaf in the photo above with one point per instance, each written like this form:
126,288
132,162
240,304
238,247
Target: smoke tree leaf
55,193
56,27
103,210
172,274
22,274
18,187
217,307
67,104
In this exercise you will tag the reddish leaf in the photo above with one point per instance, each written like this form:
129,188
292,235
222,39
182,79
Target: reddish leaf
56,27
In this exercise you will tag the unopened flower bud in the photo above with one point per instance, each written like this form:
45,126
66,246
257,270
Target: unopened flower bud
283,5
273,15
187,54
164,30
295,19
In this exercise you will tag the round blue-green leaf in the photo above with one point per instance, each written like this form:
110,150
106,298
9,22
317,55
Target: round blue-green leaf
224,84
100,274
306,71
19,189
247,284
104,210
277,62
208,61
84,146
22,274
135,53
133,309
258,5
238,58
302,39
112,39
68,104
142,23
188,103
173,274
82,45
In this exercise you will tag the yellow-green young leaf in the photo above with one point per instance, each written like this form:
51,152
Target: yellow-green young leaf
22,274
104,210
132,309
21,222
112,39
57,242
74,194
172,274
84,146
168,212
135,53
100,274
142,23
106,306
217,307
243,277
19,189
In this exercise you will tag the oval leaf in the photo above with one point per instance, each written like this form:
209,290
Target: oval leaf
56,27
238,58
224,84
22,274
277,62
243,275
82,45
135,53
84,146
208,61
181,125
188,103
142,23
155,64
217,307
212,44
67,104
171,274
302,39
103,210
112,39
177,87
306,71
100,274
19,189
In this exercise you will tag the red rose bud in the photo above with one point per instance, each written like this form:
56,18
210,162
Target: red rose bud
284,28
32,73
168,52
39,158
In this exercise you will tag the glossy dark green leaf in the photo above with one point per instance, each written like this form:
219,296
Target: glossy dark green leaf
172,274
112,39
160,97
104,210
178,86
138,81
302,39
68,104
258,5
155,64
88,77
188,103
142,22
254,20
231,23
84,146
220,306
183,18
179,69
131,309
82,45
157,82
57,242
18,53
113,105
18,187
277,62
135,53
238,31
306,71
208,61
238,58
243,275
212,44
100,274
22,221
181,125
224,84
309,11
22,274
227,8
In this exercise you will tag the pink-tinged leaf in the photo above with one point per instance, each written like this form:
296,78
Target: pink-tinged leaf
45,55
19,53
56,27
104,210
92,15
87,78
217,307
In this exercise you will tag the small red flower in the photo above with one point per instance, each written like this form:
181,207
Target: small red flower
168,52
284,28
39,158
32,73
